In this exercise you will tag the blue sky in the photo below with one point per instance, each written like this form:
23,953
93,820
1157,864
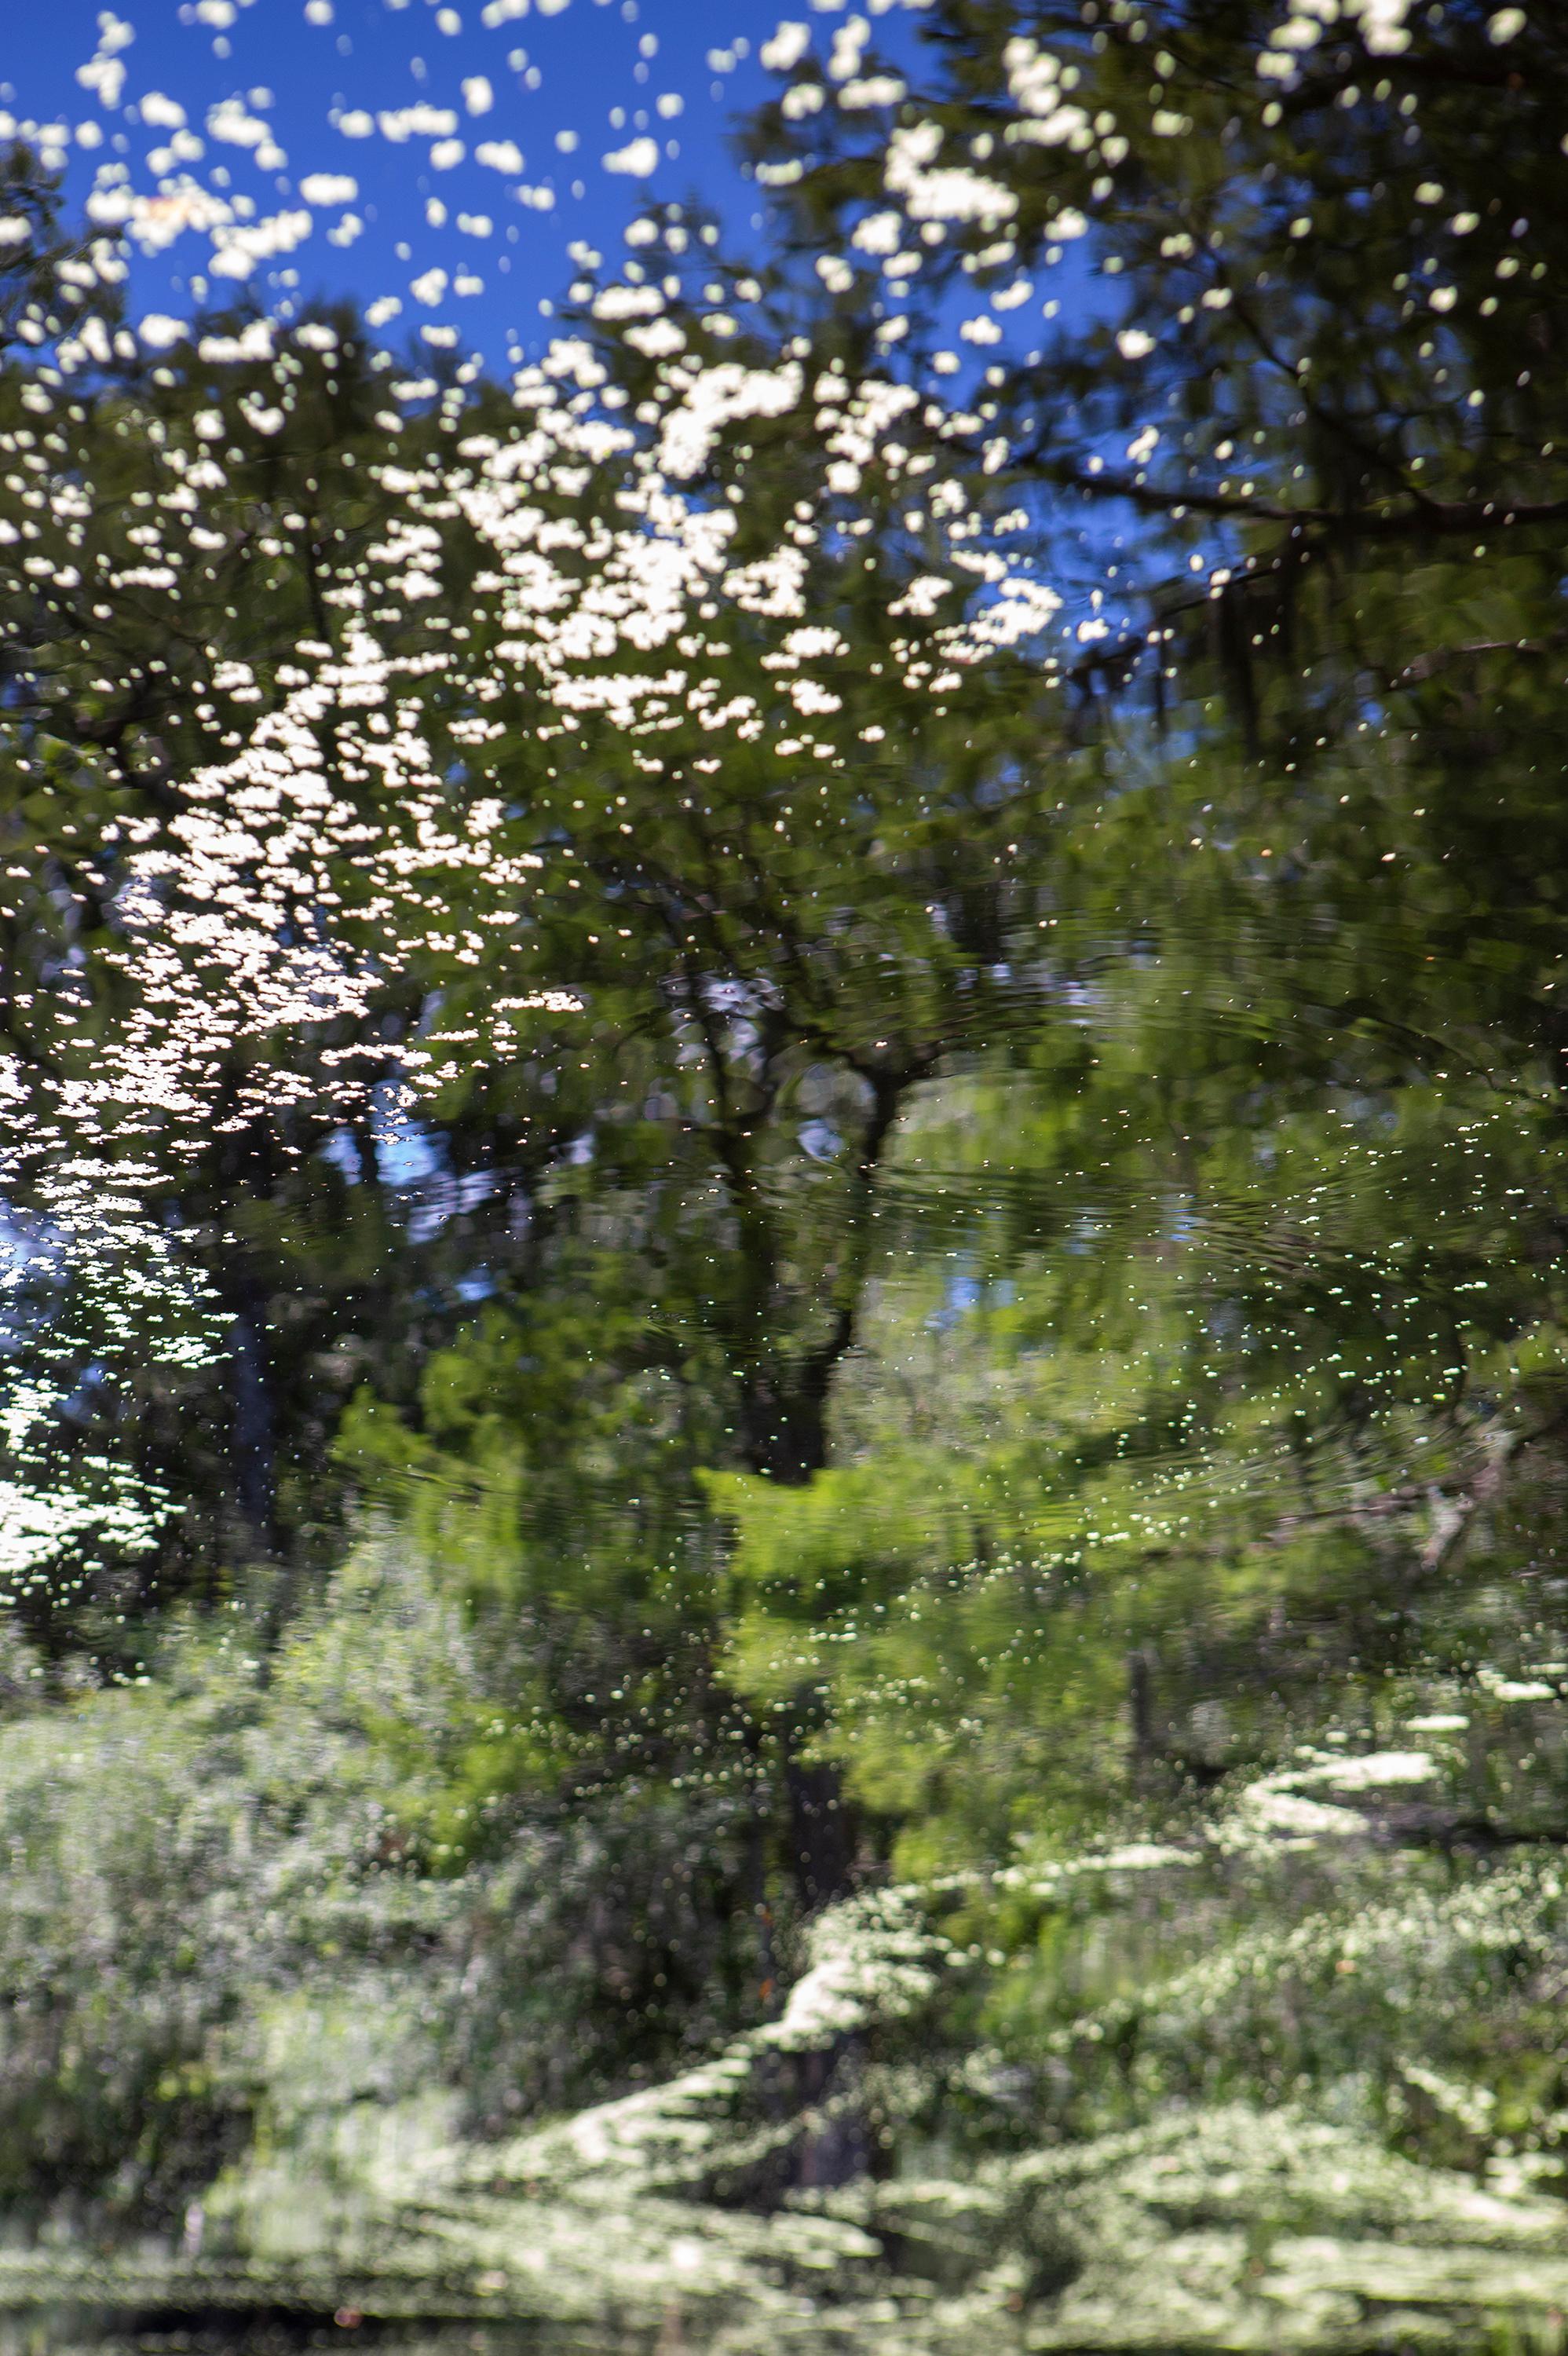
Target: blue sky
436,160
297,77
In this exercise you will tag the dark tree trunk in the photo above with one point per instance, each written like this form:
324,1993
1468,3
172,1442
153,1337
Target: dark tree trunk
784,1438
823,1834
254,1430
1140,1705
784,1427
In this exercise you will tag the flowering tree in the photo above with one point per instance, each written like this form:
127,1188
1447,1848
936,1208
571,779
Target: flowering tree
569,709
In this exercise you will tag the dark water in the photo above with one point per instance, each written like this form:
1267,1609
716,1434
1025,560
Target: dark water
785,1350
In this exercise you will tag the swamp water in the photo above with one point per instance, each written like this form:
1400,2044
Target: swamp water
784,1513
